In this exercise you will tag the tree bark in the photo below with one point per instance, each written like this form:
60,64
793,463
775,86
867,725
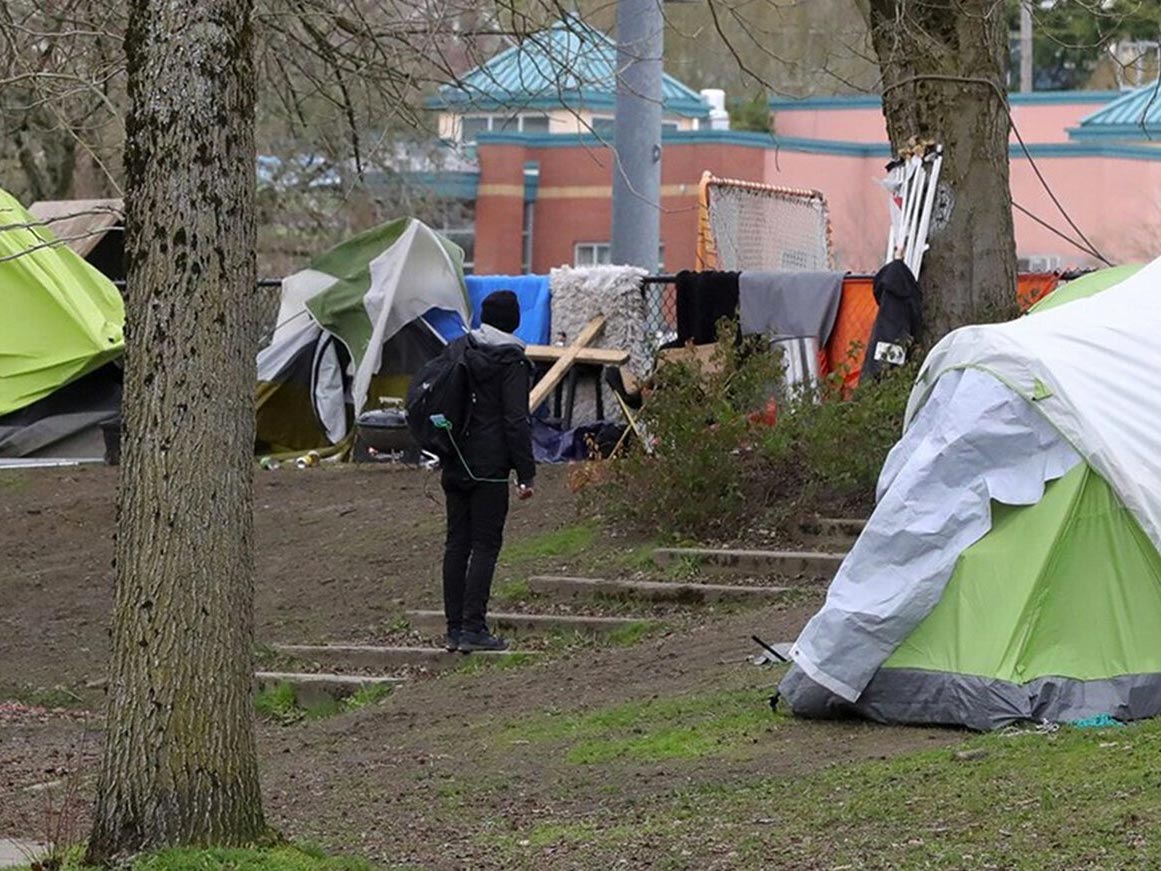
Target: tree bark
179,765
943,70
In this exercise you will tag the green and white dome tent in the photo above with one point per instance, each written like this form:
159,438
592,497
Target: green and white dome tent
1010,570
353,326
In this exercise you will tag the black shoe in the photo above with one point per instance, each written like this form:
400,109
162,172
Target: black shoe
451,641
485,640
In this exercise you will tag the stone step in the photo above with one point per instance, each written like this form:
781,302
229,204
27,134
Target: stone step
434,622
346,656
15,853
833,527
653,591
788,563
310,689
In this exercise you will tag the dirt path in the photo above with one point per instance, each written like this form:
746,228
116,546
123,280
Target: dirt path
341,553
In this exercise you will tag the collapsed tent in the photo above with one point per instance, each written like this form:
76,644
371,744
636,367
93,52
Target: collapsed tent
354,327
62,329
1010,570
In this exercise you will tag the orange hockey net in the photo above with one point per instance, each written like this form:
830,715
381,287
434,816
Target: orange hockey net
745,225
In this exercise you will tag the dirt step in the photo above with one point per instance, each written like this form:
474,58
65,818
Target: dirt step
435,623
778,562
310,689
653,591
343,656
833,527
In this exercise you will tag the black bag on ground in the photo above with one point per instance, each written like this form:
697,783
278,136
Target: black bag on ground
439,401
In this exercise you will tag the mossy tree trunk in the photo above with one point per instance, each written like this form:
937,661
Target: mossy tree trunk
943,66
179,766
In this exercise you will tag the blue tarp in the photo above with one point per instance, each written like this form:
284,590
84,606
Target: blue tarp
535,302
448,324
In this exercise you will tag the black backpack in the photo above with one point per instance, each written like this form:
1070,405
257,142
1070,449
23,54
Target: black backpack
439,401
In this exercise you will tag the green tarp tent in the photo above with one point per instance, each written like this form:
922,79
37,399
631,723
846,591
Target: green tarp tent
62,318
353,327
60,333
1010,570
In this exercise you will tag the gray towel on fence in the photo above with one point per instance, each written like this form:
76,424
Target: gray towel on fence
789,303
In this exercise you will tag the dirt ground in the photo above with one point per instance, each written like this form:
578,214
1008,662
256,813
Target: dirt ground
474,769
341,553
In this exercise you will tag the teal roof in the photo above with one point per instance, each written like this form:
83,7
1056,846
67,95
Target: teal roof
568,65
1133,115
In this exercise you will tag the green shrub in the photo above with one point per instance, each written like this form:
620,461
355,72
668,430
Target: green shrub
717,467
695,480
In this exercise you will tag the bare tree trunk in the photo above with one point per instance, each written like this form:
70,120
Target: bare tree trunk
943,64
180,764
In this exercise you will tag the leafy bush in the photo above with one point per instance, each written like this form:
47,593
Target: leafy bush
718,466
695,478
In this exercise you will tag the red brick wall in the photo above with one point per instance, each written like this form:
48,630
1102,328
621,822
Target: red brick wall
574,202
500,210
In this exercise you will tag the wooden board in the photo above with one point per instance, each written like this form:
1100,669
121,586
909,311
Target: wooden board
592,356
554,375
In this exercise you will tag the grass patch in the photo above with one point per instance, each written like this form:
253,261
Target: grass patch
41,697
279,703
285,858
1073,799
11,480
516,590
683,727
477,664
559,544
631,633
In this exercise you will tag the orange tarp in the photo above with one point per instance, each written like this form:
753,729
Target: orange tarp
857,310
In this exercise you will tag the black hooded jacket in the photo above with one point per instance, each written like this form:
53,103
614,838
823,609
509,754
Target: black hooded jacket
900,315
499,435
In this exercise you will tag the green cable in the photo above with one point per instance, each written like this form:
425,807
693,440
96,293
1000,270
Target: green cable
442,422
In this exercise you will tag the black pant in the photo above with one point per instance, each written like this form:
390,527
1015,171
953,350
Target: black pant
475,533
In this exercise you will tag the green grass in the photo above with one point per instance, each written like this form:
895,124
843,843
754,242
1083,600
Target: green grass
559,544
516,590
477,664
285,858
631,633
279,703
12,481
1073,799
40,697
681,727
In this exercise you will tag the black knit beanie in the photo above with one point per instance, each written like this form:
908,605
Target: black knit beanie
501,310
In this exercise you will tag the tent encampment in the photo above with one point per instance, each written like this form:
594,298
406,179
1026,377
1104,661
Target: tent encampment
1010,570
62,328
354,327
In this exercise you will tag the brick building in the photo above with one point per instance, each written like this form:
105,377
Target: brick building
531,134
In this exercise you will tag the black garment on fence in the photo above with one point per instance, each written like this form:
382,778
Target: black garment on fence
899,319
476,512
703,299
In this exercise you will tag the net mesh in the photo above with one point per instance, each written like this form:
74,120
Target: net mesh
760,227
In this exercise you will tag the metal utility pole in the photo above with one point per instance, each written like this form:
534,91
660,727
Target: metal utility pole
1026,46
636,238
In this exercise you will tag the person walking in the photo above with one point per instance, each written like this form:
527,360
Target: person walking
476,480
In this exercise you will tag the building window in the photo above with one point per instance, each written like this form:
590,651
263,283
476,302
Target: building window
603,127
457,223
471,126
526,238
592,254
601,254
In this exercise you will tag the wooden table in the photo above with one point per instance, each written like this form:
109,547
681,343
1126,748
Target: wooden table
587,361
